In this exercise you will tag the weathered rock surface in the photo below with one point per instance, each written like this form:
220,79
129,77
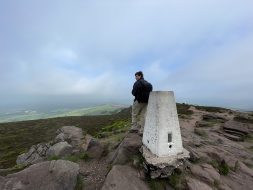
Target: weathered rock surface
37,153
124,178
238,180
194,184
243,168
50,175
70,140
237,126
60,149
129,147
162,167
213,117
235,130
73,135
206,173
95,149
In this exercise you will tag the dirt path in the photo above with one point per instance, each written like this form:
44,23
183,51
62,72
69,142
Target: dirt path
94,173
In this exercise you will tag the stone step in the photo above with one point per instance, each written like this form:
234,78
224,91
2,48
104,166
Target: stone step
235,133
237,126
233,137
236,130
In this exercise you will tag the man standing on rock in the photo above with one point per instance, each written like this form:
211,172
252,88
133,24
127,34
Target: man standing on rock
141,90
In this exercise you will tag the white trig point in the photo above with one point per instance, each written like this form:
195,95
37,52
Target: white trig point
162,136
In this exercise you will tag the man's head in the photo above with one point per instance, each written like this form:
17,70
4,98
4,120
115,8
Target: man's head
138,75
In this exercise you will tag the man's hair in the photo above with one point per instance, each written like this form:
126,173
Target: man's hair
139,73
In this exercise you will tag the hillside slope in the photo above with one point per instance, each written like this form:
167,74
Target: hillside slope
220,142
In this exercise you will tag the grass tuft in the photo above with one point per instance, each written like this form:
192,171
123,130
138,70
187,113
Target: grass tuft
200,132
72,158
177,180
79,183
222,167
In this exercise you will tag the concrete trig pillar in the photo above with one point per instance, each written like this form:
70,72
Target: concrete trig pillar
162,143
162,134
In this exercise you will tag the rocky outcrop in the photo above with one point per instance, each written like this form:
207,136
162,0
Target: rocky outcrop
95,149
213,117
127,149
60,149
246,170
50,175
235,130
70,140
124,178
74,136
37,153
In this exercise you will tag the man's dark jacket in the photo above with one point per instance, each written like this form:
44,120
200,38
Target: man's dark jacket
140,91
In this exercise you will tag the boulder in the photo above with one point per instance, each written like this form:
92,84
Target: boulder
69,140
86,142
128,148
50,175
60,149
95,149
124,178
73,135
37,153
60,138
237,127
235,130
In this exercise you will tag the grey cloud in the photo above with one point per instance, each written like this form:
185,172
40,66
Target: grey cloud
93,47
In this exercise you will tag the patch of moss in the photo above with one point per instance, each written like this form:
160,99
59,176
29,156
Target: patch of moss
249,138
158,184
200,132
177,180
14,169
84,156
138,161
214,163
54,158
79,183
120,126
222,167
72,158
216,183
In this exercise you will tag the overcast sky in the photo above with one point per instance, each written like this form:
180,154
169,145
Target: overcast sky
87,51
